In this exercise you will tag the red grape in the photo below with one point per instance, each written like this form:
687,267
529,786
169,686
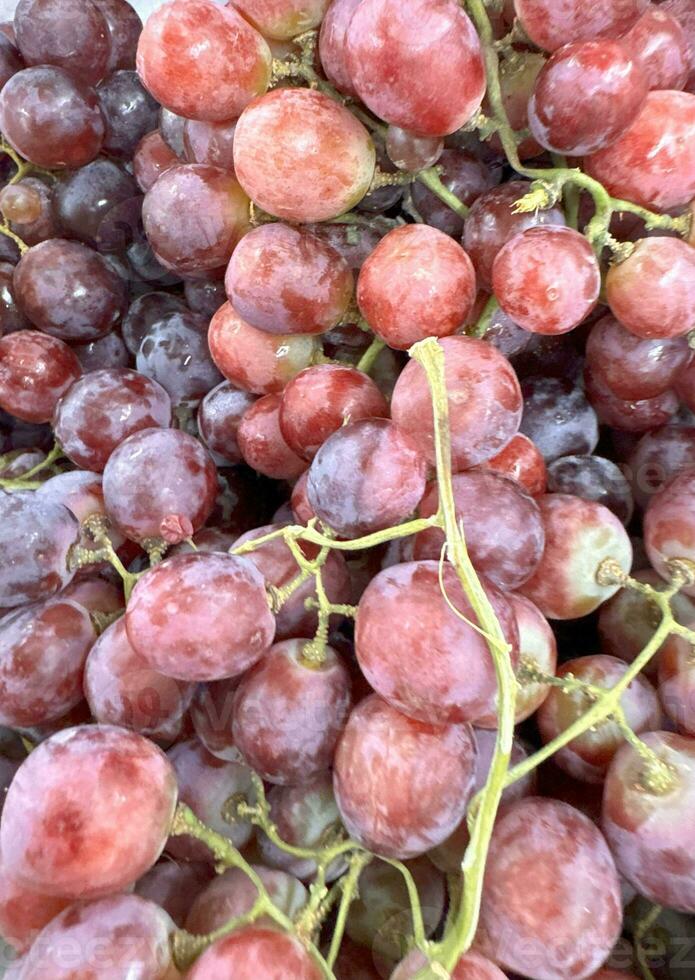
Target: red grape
151,159
593,478
194,216
254,953
278,566
11,60
11,318
219,415
669,524
660,47
233,894
71,34
261,442
205,785
685,384
129,112
518,76
441,669
558,418
211,143
271,161
503,527
550,24
630,415
432,40
471,966
285,280
35,371
122,689
407,151
403,304
174,886
105,352
321,399
630,366
44,648
108,938
144,313
24,913
367,476
283,19
159,483
88,812
484,402
401,785
551,900
289,713
649,833
36,536
465,176
653,162
652,293
492,222
50,118
547,279
677,682
124,26
579,535
217,621
211,715
537,645
84,198
105,407
586,96
216,87
521,460
175,353
332,48
588,756
95,594
255,360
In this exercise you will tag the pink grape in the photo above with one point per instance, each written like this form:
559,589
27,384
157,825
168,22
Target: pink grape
401,785
332,48
660,47
634,367
122,689
503,527
547,279
273,168
367,476
586,96
261,442
159,483
278,566
285,280
648,835
24,912
471,966
105,407
432,40
669,525
36,688
579,535
305,707
652,293
653,162
399,304
551,25
232,894
253,953
588,756
255,360
94,594
36,536
677,682
521,461
205,784
88,812
537,646
222,624
35,371
485,402
319,401
630,415
211,715
551,898
441,669
106,938
236,67
283,19
410,152
194,216
151,159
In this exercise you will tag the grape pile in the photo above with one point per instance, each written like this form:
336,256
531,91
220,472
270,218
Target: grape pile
347,490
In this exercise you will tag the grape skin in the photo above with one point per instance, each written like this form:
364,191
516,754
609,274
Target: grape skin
35,371
253,953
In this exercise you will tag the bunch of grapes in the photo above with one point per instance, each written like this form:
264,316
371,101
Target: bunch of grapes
347,490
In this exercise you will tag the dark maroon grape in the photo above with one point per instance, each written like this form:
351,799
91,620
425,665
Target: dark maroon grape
70,34
103,409
593,478
68,290
84,198
35,538
124,26
106,352
175,352
509,338
209,142
129,112
174,887
50,118
35,371
151,159
558,418
121,227
171,129
143,313
219,416
205,296
10,60
11,319
465,176
658,457
160,483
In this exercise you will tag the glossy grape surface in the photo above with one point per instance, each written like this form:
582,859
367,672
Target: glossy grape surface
521,461
232,894
35,371
219,415
151,159
262,444
550,24
558,418
174,354
254,953
634,367
129,112
332,48
659,45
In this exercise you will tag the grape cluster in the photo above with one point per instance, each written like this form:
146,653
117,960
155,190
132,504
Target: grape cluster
347,490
